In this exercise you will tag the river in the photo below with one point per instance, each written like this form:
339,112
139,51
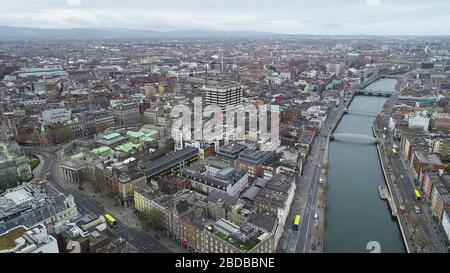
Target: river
355,213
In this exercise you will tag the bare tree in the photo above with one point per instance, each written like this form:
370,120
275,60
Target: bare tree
409,206
378,120
416,221
322,200
400,183
152,220
318,234
422,242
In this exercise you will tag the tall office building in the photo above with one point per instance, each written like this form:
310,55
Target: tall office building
224,95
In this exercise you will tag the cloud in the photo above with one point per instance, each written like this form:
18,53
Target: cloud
373,2
287,16
73,2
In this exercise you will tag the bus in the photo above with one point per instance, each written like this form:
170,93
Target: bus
394,152
418,195
110,220
297,222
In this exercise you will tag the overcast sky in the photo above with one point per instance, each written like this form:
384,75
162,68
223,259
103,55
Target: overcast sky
409,17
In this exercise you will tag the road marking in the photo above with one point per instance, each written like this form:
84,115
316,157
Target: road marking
309,217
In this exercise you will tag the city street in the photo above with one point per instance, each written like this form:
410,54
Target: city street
87,204
306,201
405,190
397,169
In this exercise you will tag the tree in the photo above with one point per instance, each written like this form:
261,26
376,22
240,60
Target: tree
416,221
9,179
152,220
422,242
447,169
400,183
409,206
322,199
318,234
445,159
378,120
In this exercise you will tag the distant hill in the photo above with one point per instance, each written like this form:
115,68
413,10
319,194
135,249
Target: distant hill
23,33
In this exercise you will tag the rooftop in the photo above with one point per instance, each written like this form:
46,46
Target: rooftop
276,198
127,147
8,239
111,136
77,156
281,183
169,160
214,173
243,237
263,221
181,202
74,164
101,150
147,135
148,191
29,204
257,157
221,197
231,150
27,240
428,158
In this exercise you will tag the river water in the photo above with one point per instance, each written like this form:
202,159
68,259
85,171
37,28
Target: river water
355,213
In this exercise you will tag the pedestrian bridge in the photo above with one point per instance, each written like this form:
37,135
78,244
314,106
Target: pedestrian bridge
369,92
355,136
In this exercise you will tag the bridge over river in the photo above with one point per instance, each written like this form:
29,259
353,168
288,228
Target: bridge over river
346,136
360,113
371,92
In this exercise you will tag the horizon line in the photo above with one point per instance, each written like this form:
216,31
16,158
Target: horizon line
262,33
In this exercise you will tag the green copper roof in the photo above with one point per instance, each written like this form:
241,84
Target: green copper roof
77,156
143,135
111,136
127,147
101,150
135,134
148,139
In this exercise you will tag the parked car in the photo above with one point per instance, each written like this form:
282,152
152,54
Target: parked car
417,209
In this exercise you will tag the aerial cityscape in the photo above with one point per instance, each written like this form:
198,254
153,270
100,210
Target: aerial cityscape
224,127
